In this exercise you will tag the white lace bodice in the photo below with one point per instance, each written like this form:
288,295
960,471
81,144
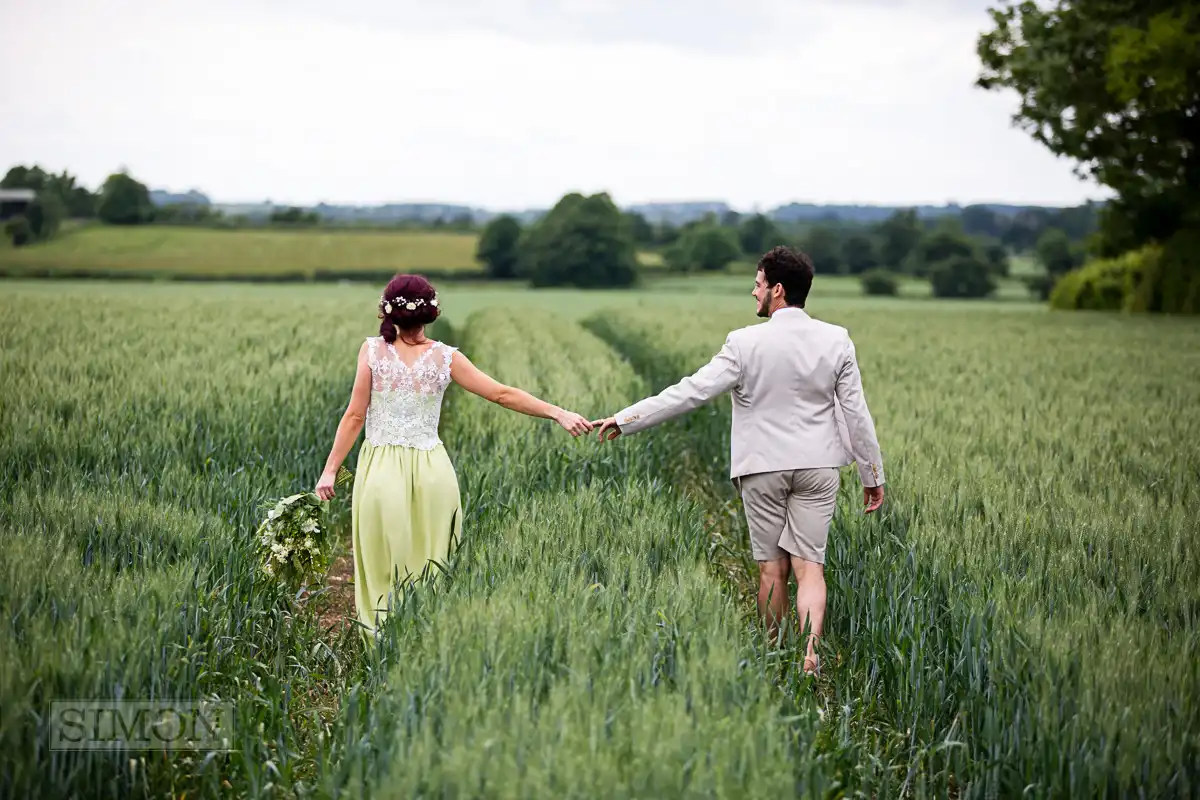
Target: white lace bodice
406,401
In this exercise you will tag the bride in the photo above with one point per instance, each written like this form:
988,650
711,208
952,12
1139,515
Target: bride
406,509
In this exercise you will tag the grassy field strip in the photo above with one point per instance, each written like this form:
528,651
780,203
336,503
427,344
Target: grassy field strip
581,645
999,617
202,251
196,253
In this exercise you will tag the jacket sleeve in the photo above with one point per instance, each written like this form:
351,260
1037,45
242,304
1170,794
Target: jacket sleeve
717,376
860,428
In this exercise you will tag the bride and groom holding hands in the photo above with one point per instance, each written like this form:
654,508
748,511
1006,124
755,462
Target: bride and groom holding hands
799,414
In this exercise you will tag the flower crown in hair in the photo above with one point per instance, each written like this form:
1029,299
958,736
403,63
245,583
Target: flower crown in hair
402,302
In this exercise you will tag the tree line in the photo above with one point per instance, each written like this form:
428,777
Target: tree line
588,241
124,200
121,200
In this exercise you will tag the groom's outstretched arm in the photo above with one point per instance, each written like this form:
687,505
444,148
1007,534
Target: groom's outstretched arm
718,375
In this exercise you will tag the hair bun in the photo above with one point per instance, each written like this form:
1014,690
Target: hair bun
407,303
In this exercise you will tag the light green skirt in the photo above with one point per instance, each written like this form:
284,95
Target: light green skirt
406,513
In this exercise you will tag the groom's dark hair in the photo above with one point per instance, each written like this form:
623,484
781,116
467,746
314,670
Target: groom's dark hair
791,268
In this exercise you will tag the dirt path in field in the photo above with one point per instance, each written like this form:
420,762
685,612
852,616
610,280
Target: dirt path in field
336,609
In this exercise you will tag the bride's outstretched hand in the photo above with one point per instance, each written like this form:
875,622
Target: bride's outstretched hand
573,423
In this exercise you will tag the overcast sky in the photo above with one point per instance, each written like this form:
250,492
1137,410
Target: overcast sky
509,104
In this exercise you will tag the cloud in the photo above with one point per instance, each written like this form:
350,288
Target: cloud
710,27
758,103
706,26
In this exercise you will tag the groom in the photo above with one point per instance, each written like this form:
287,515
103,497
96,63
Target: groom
799,414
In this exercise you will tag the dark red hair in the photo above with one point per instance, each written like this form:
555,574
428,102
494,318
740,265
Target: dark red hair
401,292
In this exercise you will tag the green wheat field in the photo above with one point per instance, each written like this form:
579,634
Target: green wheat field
1021,619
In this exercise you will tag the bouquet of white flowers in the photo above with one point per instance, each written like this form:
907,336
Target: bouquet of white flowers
294,543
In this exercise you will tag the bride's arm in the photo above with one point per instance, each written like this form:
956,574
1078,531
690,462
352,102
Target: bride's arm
349,427
478,382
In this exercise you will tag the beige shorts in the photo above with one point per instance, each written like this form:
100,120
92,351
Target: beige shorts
789,512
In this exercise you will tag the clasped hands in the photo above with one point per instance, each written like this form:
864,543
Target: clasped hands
576,424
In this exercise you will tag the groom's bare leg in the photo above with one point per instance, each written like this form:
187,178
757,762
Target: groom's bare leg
810,600
773,592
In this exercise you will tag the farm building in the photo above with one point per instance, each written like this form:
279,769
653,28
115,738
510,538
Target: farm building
15,201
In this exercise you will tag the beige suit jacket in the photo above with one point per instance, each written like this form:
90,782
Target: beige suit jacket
798,399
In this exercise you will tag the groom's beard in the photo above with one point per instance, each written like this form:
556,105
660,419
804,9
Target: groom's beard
762,308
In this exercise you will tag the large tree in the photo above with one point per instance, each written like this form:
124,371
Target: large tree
980,220
639,228
823,245
898,235
124,201
858,253
1115,86
60,192
583,242
758,234
498,247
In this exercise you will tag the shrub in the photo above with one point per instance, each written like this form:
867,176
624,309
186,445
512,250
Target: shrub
18,230
880,282
962,277
1170,283
45,214
1112,284
1098,286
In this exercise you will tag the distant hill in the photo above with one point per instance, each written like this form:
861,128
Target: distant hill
673,213
386,213
805,212
678,213
395,212
160,197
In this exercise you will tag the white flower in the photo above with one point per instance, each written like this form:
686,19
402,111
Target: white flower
269,568
411,306
387,308
433,302
308,542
